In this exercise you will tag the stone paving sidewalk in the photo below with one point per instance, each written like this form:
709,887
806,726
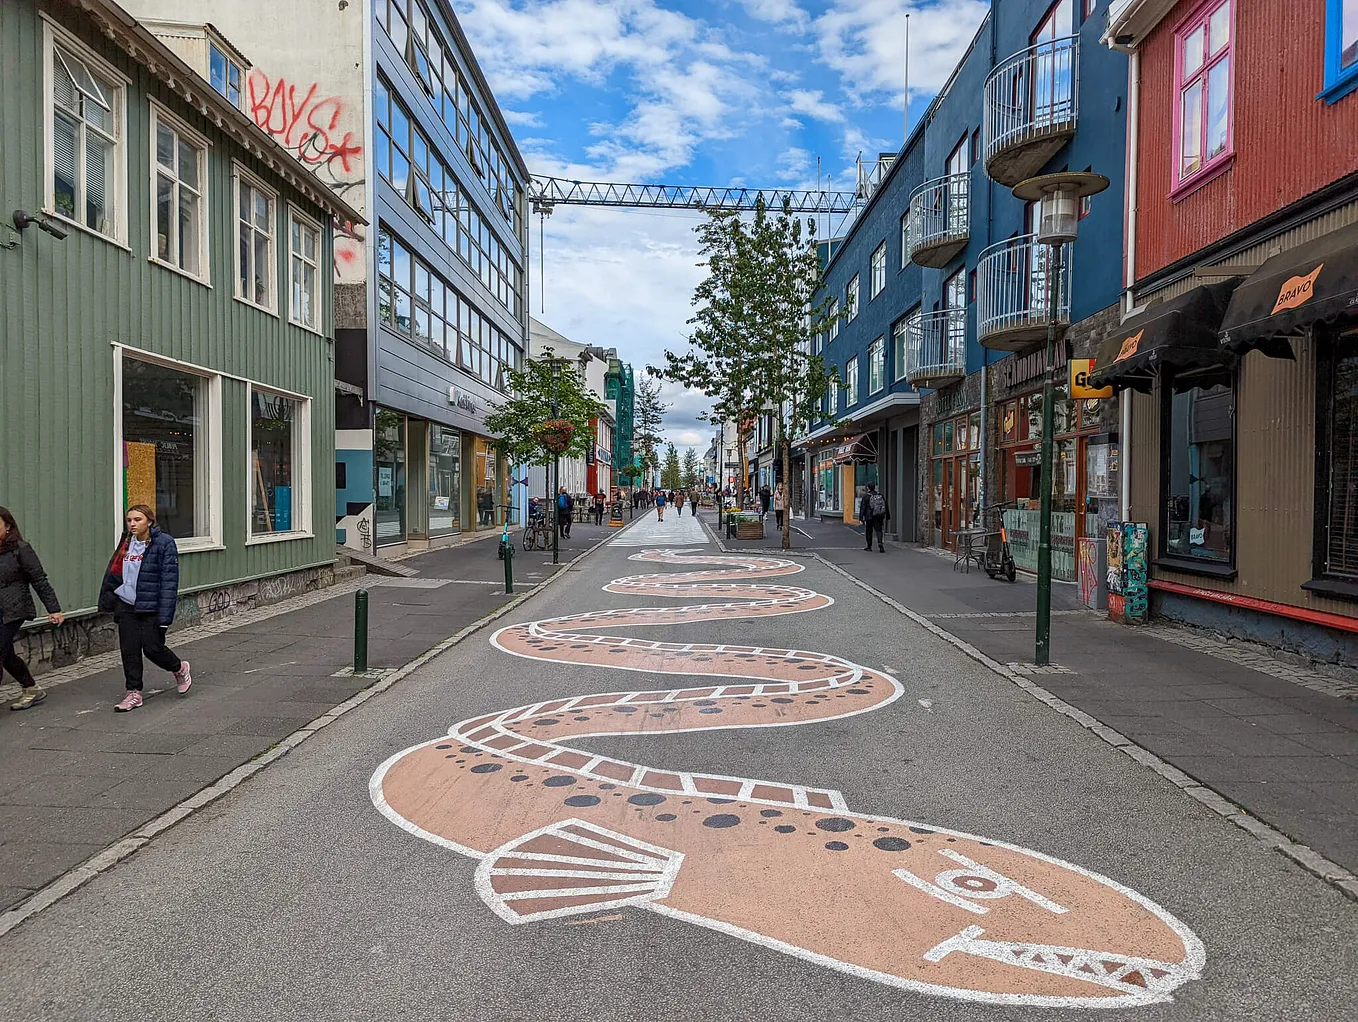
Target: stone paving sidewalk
1278,739
75,776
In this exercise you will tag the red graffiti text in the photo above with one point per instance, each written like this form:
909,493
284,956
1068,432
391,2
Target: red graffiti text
304,121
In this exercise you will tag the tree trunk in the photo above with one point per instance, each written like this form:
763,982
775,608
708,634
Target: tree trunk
787,495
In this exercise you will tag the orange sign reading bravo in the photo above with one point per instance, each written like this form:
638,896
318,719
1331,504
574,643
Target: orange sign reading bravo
561,831
1297,291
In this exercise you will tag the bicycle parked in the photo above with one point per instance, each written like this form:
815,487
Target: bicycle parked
537,530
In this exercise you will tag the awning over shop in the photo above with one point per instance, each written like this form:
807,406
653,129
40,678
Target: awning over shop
1312,283
1181,333
860,448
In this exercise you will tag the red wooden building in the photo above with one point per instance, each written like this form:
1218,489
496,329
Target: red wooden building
1238,354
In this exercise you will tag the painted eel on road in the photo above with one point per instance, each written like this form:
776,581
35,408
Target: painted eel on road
561,831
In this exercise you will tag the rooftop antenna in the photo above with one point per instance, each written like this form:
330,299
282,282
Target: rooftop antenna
907,80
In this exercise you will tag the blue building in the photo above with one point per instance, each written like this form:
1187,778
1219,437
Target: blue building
947,301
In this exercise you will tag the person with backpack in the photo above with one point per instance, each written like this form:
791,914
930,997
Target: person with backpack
874,513
20,572
565,510
141,591
599,502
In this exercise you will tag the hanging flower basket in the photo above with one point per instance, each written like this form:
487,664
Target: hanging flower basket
555,434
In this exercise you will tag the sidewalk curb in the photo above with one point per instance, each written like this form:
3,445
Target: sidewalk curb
102,861
1303,855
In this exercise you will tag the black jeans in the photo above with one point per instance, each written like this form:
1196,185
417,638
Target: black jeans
872,525
778,517
598,516
9,659
141,635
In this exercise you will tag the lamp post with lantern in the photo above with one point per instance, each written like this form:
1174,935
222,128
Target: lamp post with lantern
1058,197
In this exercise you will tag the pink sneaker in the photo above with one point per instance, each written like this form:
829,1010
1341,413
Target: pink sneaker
130,702
183,676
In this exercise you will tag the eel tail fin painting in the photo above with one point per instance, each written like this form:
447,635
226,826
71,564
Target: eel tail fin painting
573,868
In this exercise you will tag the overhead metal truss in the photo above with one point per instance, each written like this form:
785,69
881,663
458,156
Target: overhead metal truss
548,192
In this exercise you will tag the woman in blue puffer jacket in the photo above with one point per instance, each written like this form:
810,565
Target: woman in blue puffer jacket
141,589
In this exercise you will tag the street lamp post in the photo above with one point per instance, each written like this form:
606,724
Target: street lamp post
556,466
1059,196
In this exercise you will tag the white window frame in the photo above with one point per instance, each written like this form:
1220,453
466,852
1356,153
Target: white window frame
162,116
213,417
301,469
905,240
297,216
851,295
241,175
215,42
54,35
851,382
834,319
877,276
877,365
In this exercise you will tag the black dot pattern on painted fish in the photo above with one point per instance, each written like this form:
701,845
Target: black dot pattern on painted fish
485,768
580,718
835,824
891,844
467,748
783,828
780,700
624,709
559,781
646,798
721,821
665,817
443,746
920,830
545,721
721,801
859,691
705,702
519,777
583,800
713,709
836,846
770,813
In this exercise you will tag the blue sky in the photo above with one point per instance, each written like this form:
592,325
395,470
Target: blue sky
685,92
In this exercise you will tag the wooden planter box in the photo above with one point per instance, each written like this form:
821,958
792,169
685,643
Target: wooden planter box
750,530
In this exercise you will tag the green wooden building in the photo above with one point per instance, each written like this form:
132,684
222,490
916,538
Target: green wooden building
165,321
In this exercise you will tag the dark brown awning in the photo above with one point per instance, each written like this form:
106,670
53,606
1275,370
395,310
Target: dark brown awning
861,448
1312,283
1181,333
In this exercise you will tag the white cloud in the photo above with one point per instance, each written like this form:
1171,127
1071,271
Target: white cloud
813,103
522,119
864,42
776,12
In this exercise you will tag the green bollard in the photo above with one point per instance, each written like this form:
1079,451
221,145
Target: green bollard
361,632
509,568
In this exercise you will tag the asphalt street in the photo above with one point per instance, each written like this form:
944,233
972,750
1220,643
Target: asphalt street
294,897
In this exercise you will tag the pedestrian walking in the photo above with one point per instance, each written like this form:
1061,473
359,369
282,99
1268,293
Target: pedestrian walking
20,572
565,509
660,505
779,505
765,500
599,502
141,589
679,503
873,513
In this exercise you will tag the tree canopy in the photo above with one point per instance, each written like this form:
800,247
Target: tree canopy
751,349
693,469
671,476
648,411
547,398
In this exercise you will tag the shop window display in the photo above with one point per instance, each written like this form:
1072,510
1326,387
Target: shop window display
1198,473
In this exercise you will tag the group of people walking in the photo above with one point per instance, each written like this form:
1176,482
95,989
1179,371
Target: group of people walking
140,589
675,499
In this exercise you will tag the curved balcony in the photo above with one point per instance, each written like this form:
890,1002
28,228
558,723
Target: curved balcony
936,348
1031,105
1014,304
940,218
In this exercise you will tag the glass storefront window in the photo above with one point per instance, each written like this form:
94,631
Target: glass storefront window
938,439
1337,556
947,437
488,497
165,446
827,485
1197,473
276,428
389,457
445,481
974,431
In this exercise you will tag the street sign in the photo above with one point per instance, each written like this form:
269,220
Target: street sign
1080,390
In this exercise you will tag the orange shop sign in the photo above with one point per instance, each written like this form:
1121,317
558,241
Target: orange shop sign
1080,390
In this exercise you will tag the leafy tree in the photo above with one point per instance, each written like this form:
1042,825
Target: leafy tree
547,399
671,476
693,469
648,411
756,315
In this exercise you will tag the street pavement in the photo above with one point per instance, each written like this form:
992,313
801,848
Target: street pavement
294,896
75,776
1277,738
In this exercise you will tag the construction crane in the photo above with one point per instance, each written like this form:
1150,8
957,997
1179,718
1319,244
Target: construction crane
548,192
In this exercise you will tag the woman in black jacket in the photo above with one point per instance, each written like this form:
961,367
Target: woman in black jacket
20,569
141,589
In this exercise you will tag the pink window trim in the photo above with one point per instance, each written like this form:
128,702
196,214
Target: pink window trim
1209,168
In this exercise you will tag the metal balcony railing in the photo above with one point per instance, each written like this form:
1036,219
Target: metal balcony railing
1013,302
940,219
1031,105
936,347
